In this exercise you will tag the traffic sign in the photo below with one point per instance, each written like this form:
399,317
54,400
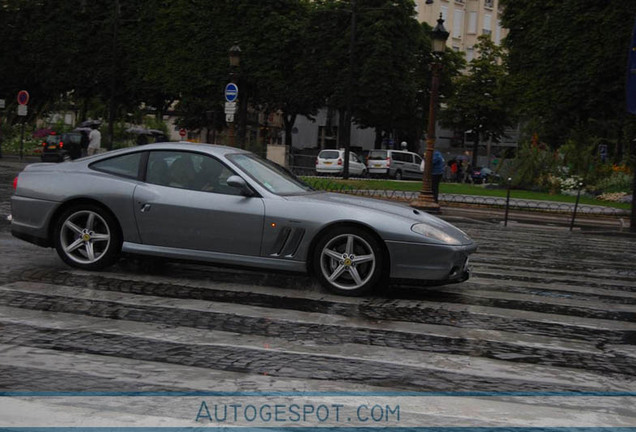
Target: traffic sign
23,97
230,107
231,92
22,110
229,118
182,132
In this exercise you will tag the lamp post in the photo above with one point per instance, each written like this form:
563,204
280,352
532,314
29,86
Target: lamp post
426,200
235,62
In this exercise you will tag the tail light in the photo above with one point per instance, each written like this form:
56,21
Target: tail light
388,162
61,144
339,161
15,183
44,144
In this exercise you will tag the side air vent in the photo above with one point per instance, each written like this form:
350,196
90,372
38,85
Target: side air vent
287,242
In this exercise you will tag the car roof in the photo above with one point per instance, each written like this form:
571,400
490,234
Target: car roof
181,146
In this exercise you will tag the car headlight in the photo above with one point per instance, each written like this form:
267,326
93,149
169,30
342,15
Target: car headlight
435,233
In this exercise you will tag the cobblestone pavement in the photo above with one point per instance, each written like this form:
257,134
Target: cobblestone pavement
546,310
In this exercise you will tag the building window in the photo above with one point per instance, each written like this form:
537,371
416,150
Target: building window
489,3
498,33
458,23
460,1
472,22
444,11
487,24
470,54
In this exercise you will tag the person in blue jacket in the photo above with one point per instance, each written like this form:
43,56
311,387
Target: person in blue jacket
437,172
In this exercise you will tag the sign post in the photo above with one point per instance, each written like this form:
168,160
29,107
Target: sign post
231,96
2,105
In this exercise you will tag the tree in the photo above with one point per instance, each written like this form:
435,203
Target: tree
479,102
567,62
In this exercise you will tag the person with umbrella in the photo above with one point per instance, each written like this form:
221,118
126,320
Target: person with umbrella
94,139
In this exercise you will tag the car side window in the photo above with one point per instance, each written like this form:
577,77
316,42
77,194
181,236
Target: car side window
125,165
187,170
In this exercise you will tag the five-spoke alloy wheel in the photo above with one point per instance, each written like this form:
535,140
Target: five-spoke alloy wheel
87,237
349,261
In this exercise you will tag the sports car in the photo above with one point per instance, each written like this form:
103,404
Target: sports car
223,205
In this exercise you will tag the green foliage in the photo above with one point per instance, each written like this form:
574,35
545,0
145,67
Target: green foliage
617,181
567,62
536,167
479,102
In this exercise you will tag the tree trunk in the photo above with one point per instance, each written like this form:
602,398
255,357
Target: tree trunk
475,150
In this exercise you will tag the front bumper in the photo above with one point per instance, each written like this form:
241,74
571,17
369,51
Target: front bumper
429,262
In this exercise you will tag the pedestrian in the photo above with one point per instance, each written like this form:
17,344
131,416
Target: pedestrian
454,167
94,140
437,173
83,142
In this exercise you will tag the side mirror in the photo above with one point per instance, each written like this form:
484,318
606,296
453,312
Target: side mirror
240,184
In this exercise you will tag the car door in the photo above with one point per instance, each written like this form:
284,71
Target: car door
417,168
355,165
183,205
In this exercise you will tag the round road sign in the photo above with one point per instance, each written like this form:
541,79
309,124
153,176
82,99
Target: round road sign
23,97
182,133
231,92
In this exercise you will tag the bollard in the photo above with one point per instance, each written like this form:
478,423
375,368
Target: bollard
576,205
507,202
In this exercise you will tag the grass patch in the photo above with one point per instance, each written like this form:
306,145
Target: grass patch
452,188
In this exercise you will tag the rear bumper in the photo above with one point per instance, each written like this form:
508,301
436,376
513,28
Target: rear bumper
429,262
30,219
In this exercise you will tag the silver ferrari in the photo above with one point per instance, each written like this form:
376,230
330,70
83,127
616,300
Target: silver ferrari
222,205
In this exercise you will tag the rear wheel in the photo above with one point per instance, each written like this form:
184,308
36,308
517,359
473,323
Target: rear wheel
349,261
87,237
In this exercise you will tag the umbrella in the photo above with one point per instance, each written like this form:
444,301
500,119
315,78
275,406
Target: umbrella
41,133
138,130
89,123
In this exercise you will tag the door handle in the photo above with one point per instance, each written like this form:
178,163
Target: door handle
145,208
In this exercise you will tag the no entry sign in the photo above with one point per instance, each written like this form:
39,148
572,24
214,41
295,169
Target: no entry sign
23,97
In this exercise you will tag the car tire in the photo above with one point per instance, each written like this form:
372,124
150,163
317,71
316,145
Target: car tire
87,237
398,175
349,261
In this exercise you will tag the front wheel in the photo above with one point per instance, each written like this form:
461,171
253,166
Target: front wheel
398,175
349,261
87,237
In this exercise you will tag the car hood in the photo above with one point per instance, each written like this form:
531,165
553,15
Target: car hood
394,210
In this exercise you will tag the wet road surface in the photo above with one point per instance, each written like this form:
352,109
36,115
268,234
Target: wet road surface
546,310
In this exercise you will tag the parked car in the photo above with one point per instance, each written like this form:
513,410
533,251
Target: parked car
223,205
332,162
484,175
58,148
398,164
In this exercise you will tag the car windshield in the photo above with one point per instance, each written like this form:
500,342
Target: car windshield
271,176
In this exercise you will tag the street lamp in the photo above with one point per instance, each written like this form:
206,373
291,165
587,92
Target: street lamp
235,62
426,200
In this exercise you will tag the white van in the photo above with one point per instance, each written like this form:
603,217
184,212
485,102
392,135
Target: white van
398,164
331,162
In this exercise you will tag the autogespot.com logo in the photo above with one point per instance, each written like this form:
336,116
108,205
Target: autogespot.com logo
310,413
